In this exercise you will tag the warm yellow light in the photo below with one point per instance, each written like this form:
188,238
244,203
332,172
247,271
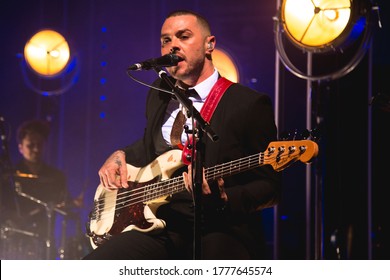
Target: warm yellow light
315,23
225,65
331,15
47,52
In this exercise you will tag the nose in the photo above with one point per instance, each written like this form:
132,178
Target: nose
36,147
174,49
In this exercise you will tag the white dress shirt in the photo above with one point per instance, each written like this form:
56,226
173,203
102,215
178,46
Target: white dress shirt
203,89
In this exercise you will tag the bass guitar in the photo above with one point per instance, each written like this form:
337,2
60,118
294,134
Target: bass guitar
134,208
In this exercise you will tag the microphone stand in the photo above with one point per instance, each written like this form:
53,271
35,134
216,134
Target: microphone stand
201,126
50,209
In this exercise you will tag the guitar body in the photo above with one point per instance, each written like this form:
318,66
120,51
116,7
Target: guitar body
113,214
149,187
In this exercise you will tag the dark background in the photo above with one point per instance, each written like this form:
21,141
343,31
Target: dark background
95,108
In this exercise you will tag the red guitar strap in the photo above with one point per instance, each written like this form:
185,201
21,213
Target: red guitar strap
214,97
209,107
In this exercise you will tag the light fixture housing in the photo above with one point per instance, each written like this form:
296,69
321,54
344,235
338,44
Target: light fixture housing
323,26
47,53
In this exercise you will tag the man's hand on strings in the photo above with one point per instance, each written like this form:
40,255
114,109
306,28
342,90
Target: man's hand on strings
187,178
113,173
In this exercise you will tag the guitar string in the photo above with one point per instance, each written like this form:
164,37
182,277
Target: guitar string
163,189
173,182
173,187
207,171
241,162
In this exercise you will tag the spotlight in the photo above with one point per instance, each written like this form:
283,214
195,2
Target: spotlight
323,26
47,53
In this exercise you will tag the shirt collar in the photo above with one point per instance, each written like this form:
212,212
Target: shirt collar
204,88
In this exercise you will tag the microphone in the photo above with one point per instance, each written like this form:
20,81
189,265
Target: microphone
163,61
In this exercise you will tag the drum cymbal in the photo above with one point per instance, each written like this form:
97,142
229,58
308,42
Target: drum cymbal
25,175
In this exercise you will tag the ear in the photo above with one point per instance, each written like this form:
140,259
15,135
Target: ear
210,43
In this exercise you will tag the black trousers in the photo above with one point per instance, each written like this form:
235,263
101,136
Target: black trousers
135,245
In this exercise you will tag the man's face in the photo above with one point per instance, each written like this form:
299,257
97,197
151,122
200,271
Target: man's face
187,39
32,147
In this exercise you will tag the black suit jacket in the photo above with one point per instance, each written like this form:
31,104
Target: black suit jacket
244,122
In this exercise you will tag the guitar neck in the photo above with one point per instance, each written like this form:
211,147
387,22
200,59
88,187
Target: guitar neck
234,167
176,184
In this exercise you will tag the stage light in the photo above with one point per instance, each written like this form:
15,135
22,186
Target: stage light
323,27
47,53
315,25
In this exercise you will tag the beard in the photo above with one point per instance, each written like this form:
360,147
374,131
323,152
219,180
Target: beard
187,73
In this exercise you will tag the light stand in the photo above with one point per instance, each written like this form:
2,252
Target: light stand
316,28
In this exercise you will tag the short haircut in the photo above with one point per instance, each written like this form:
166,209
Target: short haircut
201,19
33,126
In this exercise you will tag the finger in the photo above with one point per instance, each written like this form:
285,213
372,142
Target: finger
107,185
221,187
221,183
123,180
113,180
103,179
186,181
205,186
119,158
